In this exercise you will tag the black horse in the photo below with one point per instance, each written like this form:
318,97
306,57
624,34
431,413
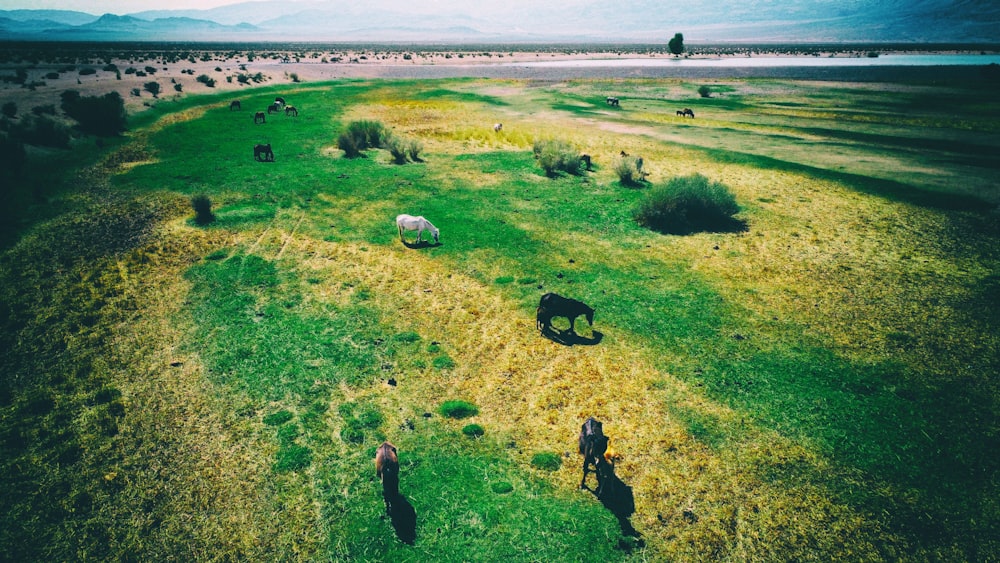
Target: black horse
263,153
235,104
593,443
554,305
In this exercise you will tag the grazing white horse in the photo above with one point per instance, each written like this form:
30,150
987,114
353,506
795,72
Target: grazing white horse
410,223
498,127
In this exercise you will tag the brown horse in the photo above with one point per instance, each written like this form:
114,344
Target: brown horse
291,110
259,117
387,470
273,108
593,443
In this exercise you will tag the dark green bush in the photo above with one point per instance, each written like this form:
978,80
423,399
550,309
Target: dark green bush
41,131
361,136
689,204
202,209
629,170
547,461
9,109
502,487
557,156
206,80
88,70
458,409
104,115
473,430
12,156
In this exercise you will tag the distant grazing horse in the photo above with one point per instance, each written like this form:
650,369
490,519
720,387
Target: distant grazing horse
387,470
406,222
553,305
279,100
259,117
593,443
497,127
612,101
263,153
235,104
686,112
273,108
585,159
291,110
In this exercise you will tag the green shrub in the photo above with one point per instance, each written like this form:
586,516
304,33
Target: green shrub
206,80
458,409
12,156
278,418
104,115
370,417
152,87
502,487
352,433
689,204
557,156
288,433
629,170
293,457
408,336
85,71
397,148
9,109
362,135
202,209
443,362
41,131
473,430
704,91
547,461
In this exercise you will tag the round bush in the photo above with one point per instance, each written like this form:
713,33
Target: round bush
689,204
458,409
546,461
502,487
473,430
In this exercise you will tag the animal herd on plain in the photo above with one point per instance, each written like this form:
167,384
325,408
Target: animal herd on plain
263,152
598,457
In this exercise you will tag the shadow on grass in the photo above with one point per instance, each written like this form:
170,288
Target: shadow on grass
421,244
404,519
617,497
570,338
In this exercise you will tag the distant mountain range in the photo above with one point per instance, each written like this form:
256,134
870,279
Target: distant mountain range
628,21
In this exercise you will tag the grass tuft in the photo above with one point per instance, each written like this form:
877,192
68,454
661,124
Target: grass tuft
458,409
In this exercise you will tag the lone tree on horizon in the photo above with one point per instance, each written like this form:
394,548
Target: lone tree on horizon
676,44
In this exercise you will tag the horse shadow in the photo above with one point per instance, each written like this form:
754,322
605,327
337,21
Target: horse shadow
421,244
617,497
570,338
404,519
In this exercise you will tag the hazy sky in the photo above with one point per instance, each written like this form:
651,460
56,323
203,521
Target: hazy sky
100,7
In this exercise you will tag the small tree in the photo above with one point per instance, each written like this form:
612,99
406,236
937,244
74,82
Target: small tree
152,87
676,44
704,91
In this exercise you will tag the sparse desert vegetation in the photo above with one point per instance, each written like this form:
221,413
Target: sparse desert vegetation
817,384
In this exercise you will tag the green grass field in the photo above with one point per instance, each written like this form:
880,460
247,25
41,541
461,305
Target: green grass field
821,386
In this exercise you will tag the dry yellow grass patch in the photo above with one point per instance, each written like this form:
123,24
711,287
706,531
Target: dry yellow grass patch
537,393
